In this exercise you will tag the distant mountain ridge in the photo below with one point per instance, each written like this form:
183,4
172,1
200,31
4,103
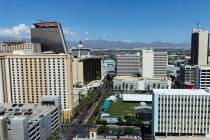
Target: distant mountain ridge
105,44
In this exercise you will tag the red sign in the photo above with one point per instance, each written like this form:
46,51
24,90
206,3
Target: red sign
46,24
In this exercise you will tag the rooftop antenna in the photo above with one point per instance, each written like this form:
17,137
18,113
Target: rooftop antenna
197,25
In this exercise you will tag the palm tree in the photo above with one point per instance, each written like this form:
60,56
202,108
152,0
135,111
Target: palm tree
148,87
123,86
131,88
119,87
158,86
115,87
126,87
154,85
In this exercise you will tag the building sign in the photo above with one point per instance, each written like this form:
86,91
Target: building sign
46,25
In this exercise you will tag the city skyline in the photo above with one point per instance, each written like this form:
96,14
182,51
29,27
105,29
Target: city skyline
136,21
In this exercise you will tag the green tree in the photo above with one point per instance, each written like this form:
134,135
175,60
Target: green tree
131,88
119,121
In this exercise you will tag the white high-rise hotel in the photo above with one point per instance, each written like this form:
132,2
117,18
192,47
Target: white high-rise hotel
181,111
26,78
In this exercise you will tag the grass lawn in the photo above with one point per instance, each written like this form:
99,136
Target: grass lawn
120,108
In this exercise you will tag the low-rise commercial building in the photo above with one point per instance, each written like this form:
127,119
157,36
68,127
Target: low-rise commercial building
130,83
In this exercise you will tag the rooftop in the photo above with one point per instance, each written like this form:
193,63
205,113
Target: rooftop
182,138
33,112
139,78
181,91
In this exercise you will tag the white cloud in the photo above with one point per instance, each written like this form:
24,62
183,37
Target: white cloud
19,31
86,33
69,34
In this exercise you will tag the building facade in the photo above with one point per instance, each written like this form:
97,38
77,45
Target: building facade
80,52
181,112
28,121
154,64
77,69
11,46
202,77
50,36
187,75
199,47
26,78
128,64
108,67
160,64
92,69
130,84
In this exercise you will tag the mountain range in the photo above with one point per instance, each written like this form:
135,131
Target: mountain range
105,44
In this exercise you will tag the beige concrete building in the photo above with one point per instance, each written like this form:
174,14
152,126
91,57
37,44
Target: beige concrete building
77,69
11,46
26,78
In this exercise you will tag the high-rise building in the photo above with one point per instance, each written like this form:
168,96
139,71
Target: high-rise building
154,64
199,47
202,77
11,46
92,69
50,36
77,70
128,64
26,78
147,62
160,64
187,75
181,112
29,121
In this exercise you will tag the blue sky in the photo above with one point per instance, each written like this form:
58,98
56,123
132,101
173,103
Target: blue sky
126,20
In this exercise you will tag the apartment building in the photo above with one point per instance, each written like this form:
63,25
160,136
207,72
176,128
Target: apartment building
29,121
181,112
26,78
11,46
